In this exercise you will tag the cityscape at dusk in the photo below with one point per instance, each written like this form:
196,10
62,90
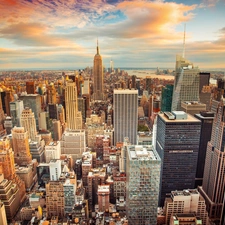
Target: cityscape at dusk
112,112
60,34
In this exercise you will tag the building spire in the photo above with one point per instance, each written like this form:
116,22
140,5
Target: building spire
97,47
183,55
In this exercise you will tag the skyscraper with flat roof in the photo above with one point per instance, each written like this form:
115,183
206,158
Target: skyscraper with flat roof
143,178
186,83
206,119
213,186
125,115
177,143
98,91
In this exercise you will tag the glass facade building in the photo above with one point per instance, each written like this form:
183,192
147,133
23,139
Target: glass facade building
142,187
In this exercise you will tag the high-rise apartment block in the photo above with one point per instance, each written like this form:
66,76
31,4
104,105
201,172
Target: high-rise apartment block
185,202
98,90
143,178
177,143
103,197
213,185
186,83
125,115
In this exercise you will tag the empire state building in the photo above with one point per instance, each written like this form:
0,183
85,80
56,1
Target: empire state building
98,77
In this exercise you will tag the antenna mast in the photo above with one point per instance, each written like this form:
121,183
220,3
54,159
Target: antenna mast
184,41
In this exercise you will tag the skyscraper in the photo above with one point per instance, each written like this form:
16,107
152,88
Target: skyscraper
143,178
186,83
206,119
21,147
177,143
213,185
73,116
98,92
28,121
125,115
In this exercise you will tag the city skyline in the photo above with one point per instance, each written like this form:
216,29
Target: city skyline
62,34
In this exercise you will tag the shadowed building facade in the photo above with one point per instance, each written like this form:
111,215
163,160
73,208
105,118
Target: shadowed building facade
177,143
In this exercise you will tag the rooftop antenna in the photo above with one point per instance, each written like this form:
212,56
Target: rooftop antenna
97,47
183,55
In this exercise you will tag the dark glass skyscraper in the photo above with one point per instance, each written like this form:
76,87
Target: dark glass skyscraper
177,142
206,119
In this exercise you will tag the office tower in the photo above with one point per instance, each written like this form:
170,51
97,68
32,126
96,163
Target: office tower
43,116
203,80
37,149
192,108
30,87
55,169
55,200
51,94
206,119
7,167
95,177
21,146
103,198
166,100
9,194
52,151
3,219
52,110
57,130
73,143
177,143
185,202
98,90
28,121
73,116
16,108
143,178
213,184
125,115
186,83
32,101
69,188
8,98
61,113
82,108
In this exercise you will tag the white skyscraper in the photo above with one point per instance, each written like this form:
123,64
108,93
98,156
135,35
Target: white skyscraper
125,115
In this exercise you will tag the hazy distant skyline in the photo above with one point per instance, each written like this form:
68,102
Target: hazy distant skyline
63,33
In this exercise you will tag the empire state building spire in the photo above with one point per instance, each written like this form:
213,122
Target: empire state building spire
98,77
97,48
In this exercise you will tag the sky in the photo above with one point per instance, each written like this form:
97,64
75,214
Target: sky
62,34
